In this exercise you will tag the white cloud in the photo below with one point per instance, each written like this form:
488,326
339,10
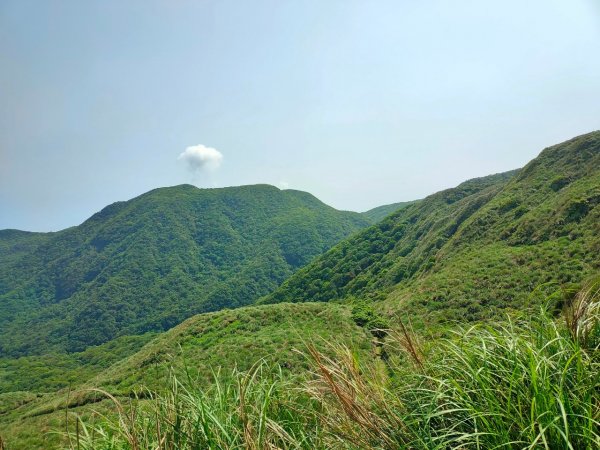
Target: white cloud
199,157
283,185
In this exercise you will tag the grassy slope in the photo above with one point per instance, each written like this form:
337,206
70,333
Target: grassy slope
149,263
222,340
468,252
381,212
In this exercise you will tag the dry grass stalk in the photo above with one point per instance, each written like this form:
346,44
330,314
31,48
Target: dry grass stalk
408,342
356,408
583,314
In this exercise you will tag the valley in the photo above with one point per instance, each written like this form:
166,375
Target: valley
290,324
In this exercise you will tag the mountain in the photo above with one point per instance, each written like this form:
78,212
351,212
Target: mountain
149,263
398,247
381,212
472,251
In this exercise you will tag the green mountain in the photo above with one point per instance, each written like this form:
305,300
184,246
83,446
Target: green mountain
381,212
149,263
474,250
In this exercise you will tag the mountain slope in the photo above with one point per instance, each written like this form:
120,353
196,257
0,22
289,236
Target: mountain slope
367,263
471,251
149,263
236,339
381,212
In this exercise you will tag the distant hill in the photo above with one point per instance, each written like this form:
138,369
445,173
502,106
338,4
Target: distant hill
381,212
149,263
469,252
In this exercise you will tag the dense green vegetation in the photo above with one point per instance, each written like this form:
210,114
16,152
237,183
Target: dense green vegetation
508,252
147,264
397,248
381,212
54,371
234,338
197,349
521,384
475,250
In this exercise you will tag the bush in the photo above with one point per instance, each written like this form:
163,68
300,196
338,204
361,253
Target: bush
365,316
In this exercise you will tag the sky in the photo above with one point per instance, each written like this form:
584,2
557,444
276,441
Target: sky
361,103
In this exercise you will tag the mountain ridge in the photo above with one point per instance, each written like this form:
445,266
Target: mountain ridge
381,212
504,244
467,252
177,251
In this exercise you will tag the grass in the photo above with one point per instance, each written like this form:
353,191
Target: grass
228,342
521,384
255,410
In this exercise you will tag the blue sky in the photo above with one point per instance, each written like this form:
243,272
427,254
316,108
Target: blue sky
360,103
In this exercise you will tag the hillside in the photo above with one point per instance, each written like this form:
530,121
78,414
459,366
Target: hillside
381,212
197,348
475,250
368,263
149,263
235,338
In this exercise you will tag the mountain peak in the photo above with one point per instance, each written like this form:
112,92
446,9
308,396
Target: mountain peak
150,262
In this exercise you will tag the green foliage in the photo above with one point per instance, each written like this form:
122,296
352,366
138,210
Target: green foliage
233,338
529,384
364,315
147,264
54,371
380,212
398,248
227,343
474,251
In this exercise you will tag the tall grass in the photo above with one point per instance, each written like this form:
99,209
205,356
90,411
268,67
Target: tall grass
530,384
259,409
535,384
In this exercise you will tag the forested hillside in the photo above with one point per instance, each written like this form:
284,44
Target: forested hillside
149,263
398,247
472,251
380,212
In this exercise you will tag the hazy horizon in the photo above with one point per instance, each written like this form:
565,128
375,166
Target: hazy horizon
360,104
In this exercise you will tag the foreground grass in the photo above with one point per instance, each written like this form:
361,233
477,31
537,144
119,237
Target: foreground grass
224,340
533,384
